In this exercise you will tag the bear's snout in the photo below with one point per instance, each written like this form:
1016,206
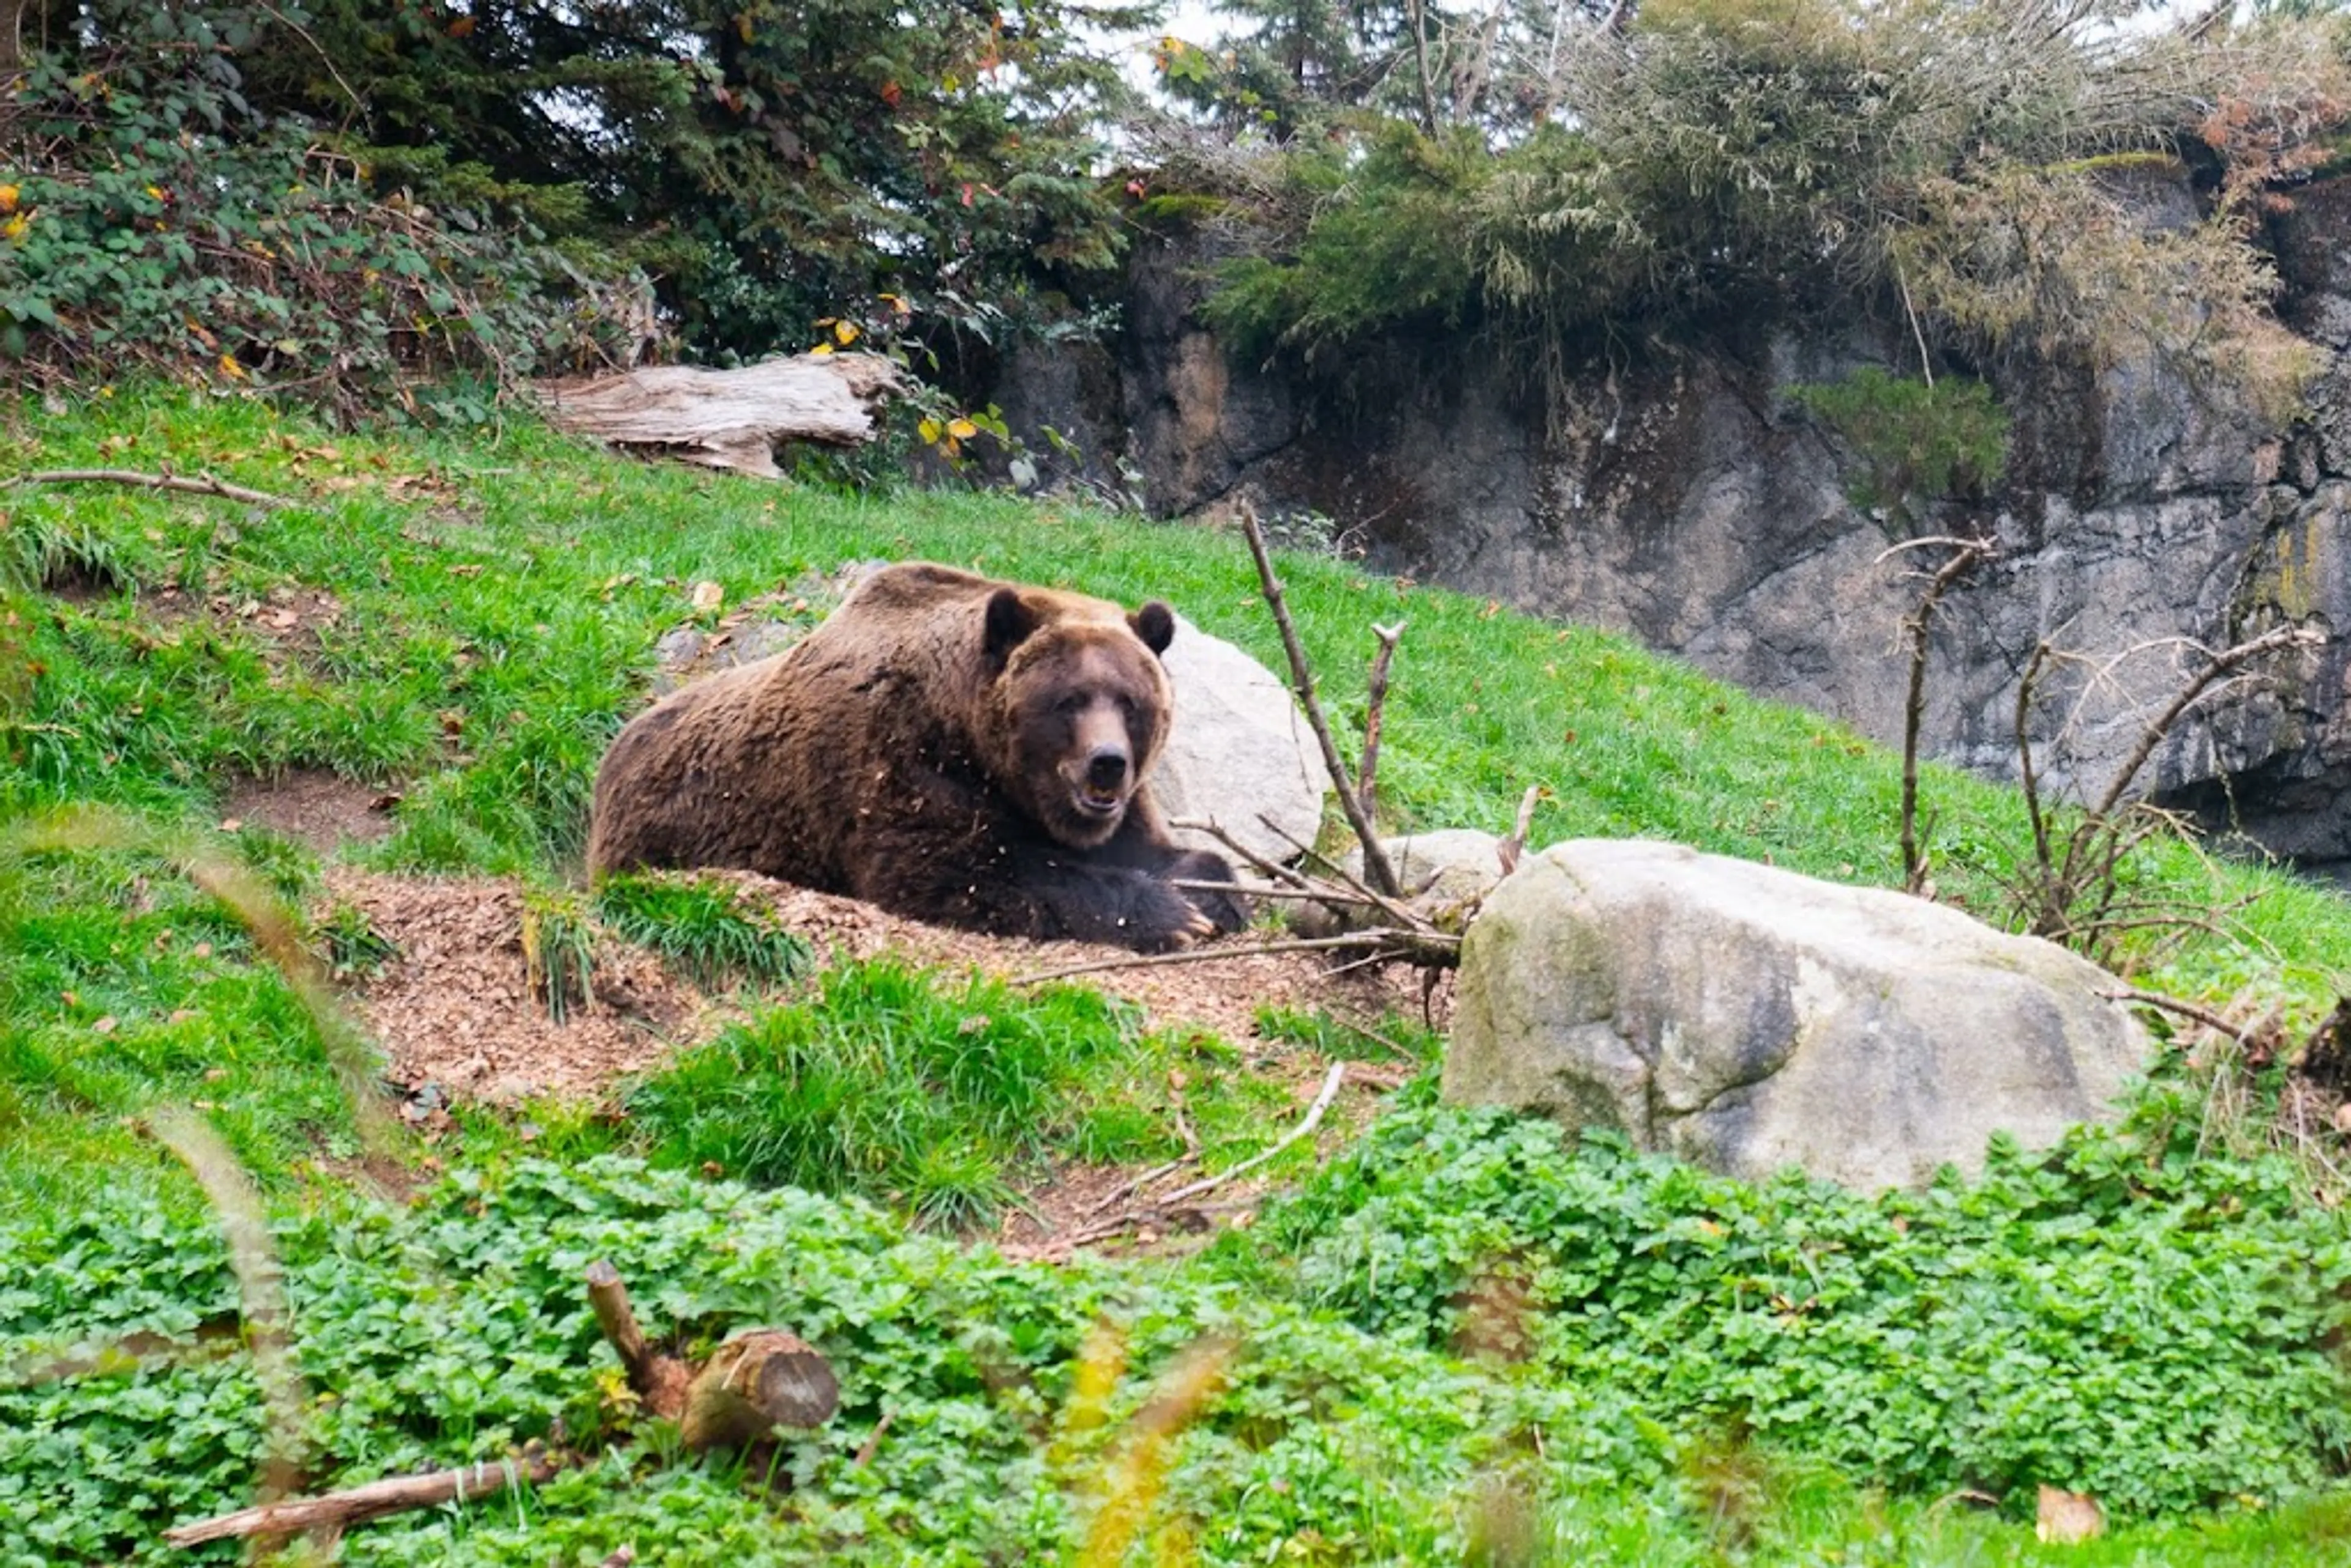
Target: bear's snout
1099,784
1106,768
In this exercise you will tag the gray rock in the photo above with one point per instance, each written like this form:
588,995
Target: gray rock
1448,868
1239,750
1745,1019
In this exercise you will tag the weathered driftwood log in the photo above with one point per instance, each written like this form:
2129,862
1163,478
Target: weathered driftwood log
339,1511
728,419
759,1380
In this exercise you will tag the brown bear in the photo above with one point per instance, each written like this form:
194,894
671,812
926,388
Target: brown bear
953,749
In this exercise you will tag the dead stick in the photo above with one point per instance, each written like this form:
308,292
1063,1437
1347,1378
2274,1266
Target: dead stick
1509,850
1412,941
610,1299
1375,860
1367,776
2162,1003
1263,890
202,485
1401,914
872,1443
661,1381
1257,861
1109,1229
1331,1081
1128,1188
337,1510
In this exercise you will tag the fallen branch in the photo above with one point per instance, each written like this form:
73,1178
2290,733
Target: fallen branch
1254,860
1266,890
202,484
1387,903
1118,1225
2162,1003
661,1381
376,1500
1367,776
1331,1081
1434,948
1375,860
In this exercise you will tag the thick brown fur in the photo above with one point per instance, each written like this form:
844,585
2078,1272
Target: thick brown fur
947,746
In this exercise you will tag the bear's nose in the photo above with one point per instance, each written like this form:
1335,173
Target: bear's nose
1106,768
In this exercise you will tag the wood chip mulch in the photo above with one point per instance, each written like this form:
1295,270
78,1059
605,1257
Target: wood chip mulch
451,1008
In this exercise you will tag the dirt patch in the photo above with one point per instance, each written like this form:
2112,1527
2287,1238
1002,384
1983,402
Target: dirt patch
313,807
453,1012
451,1008
292,617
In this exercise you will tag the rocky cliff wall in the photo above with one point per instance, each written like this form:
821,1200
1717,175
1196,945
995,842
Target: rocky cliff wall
1686,498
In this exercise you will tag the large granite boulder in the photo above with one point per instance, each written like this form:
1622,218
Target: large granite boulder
1240,751
1745,1019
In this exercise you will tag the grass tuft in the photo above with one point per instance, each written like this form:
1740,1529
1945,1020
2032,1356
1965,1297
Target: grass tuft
891,1085
559,953
704,928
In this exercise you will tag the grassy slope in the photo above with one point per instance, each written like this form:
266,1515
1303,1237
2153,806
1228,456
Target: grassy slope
496,622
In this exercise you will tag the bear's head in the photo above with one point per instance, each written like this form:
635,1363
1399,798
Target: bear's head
1083,705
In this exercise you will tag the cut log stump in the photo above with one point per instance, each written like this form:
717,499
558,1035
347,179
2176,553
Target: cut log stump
759,1379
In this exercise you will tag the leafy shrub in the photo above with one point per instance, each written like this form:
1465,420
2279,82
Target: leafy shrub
149,216
2116,1316
1736,162
1384,250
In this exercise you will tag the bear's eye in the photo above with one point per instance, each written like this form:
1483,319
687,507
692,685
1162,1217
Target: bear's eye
1071,702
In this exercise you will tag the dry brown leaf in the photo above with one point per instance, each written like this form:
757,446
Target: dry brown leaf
2068,1517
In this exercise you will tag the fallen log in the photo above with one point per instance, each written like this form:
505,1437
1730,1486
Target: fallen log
732,418
339,1511
755,1381
758,1380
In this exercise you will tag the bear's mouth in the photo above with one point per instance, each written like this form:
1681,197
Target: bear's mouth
1100,804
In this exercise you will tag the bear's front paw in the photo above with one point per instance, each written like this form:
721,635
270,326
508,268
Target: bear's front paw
1225,910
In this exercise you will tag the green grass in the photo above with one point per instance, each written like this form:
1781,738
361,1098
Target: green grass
704,928
932,1095
496,608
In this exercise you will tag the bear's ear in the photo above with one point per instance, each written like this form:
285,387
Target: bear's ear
1156,624
1010,622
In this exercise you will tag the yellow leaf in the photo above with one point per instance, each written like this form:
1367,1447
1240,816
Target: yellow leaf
821,349
231,368
743,26
929,431
7,198
15,227
846,331
962,429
